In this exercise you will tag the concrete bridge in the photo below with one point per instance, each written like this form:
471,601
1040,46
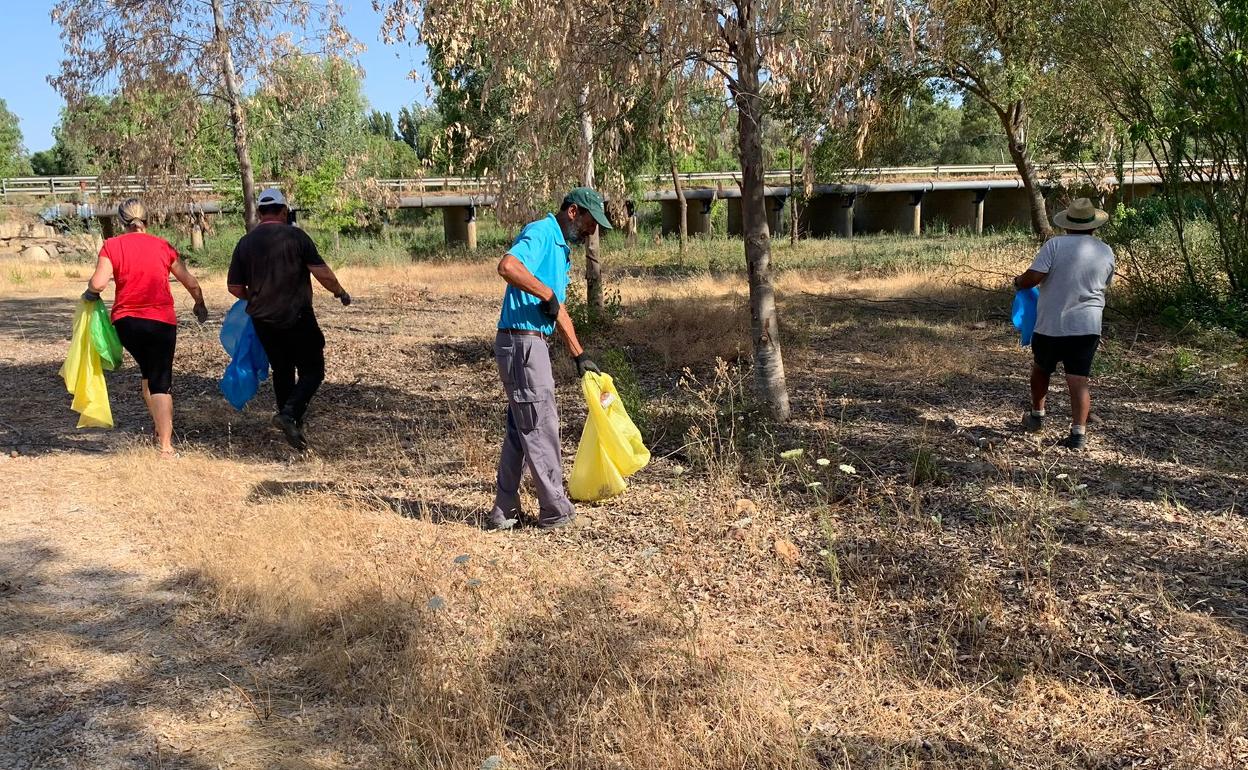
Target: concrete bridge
905,200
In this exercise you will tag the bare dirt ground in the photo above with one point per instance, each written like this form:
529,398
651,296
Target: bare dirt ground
967,596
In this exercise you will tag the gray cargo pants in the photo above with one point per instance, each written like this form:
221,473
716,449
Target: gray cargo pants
532,430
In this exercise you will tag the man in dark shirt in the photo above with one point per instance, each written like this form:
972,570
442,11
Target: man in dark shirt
270,270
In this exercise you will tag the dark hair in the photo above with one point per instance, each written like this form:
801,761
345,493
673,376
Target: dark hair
567,204
269,209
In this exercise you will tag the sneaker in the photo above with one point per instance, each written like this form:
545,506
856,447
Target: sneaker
1075,441
559,523
1033,423
290,428
498,522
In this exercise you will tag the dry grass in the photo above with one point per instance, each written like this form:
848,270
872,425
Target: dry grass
959,600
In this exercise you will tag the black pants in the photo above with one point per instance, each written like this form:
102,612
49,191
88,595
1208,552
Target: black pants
295,349
152,344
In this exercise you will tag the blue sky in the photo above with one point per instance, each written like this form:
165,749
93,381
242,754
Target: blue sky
31,50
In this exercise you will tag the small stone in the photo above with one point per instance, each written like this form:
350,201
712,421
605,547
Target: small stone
787,551
980,325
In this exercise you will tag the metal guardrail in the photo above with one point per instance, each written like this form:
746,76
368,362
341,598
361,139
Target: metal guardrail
70,186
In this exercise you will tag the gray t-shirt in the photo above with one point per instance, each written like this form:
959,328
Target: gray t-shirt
1078,268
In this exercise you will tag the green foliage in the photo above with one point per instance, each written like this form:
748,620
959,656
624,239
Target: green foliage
321,192
309,112
13,161
1176,276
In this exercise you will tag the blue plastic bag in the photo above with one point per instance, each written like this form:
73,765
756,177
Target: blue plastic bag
249,364
1024,313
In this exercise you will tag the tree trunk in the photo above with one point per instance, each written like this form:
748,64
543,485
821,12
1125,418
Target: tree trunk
764,320
242,150
682,204
593,269
1014,119
792,201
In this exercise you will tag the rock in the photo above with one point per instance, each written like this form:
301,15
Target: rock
10,230
787,551
980,325
53,252
36,254
744,508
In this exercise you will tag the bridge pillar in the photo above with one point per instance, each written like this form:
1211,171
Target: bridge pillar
775,214
630,229
197,232
736,224
916,213
1010,208
980,197
951,210
459,225
887,212
844,221
699,217
670,217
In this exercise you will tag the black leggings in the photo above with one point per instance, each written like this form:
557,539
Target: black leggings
151,343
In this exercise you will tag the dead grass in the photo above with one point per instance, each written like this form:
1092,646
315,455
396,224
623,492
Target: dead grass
957,598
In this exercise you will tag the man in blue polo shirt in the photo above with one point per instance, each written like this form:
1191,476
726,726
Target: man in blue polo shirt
536,271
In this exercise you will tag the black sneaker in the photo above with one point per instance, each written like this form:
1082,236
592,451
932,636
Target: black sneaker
290,428
1033,423
1075,441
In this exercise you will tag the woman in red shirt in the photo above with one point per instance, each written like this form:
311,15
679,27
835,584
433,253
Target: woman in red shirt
143,308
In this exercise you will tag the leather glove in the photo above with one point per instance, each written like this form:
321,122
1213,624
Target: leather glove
550,307
583,364
344,298
90,296
201,312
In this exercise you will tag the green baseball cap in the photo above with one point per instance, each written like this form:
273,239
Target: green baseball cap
588,198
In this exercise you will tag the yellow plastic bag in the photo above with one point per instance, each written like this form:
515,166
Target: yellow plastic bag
611,448
83,373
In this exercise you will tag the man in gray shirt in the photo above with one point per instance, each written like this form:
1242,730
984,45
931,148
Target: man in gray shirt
1072,272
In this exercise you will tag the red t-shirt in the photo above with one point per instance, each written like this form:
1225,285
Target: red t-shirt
141,270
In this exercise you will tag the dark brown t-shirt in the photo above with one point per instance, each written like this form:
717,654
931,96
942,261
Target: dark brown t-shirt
272,262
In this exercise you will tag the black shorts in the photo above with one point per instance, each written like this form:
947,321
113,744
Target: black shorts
151,343
1075,353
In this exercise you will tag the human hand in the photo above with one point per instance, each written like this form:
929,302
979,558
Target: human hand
344,298
201,312
90,295
583,365
550,307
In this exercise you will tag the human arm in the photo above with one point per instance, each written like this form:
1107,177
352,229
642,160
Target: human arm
178,268
236,278
324,275
99,279
514,272
1039,270
1029,279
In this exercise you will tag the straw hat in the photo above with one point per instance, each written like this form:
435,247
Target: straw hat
1080,215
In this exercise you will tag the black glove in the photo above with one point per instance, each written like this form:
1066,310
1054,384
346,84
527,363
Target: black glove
89,295
583,364
550,307
344,298
201,312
